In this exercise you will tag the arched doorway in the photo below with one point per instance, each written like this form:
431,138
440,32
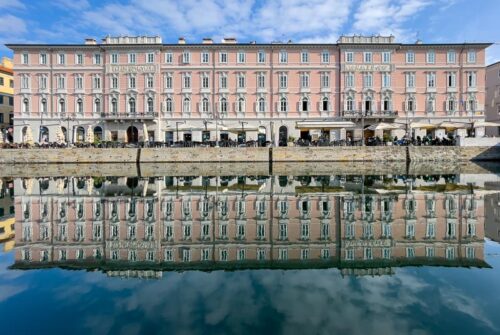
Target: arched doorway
98,133
261,136
283,136
132,135
65,133
25,130
80,134
44,135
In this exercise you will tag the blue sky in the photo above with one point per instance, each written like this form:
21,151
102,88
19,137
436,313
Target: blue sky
70,21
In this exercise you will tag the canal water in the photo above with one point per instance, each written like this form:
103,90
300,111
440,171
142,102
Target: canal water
351,253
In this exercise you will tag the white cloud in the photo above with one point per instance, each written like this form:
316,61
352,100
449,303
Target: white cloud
11,4
12,25
72,4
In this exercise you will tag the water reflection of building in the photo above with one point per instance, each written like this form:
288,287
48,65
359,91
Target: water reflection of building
125,225
7,214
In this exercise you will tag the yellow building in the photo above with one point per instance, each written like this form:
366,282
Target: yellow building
6,97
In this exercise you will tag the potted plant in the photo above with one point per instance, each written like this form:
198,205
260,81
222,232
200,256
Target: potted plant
387,139
291,141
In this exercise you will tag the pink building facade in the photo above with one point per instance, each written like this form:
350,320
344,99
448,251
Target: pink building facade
137,88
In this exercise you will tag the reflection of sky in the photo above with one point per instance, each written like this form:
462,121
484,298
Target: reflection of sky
413,301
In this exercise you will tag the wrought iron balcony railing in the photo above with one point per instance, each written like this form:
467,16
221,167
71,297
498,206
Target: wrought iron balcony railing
127,116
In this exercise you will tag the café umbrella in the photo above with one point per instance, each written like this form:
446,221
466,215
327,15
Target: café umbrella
383,126
423,125
452,125
480,124
145,132
59,135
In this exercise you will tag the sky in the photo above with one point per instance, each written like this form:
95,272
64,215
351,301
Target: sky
432,21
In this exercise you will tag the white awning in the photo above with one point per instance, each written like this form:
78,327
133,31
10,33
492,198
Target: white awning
324,124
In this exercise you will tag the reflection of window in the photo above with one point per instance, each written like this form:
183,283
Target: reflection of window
283,231
261,231
430,231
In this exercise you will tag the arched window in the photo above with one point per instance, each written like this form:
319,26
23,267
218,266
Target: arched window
262,105
305,104
283,105
324,106
97,106
26,105
62,106
241,105
131,106
44,106
204,105
410,105
168,105
223,105
150,105
114,106
349,104
431,105
451,105
79,106
186,105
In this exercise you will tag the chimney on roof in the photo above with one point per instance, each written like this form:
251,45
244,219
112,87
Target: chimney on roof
182,40
418,42
90,41
207,40
229,40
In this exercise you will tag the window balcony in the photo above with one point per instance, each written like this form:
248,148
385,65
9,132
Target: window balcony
129,116
355,114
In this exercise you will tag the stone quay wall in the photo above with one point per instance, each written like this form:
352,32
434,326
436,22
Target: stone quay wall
242,155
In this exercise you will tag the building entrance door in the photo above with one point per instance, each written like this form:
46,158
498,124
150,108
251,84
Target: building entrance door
132,135
283,136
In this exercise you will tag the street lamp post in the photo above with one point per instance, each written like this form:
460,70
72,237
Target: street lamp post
243,127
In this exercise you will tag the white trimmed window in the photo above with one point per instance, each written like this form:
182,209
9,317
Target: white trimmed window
431,79
367,57
79,59
43,58
169,57
304,57
283,80
43,82
205,106
61,59
241,80
386,57
114,58
349,57
186,106
150,57
304,80
451,79
241,105
25,58
97,59
261,80
386,80
131,81
186,57
261,57
114,82
205,57
97,82
223,57
205,80
132,58
430,57
61,82
410,57
471,79
367,80
261,105
169,82
79,106
325,57
451,57
349,79
471,56
283,57
186,80
43,106
283,104
410,80
149,81
241,57
223,81
325,80
79,82
223,106
25,82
